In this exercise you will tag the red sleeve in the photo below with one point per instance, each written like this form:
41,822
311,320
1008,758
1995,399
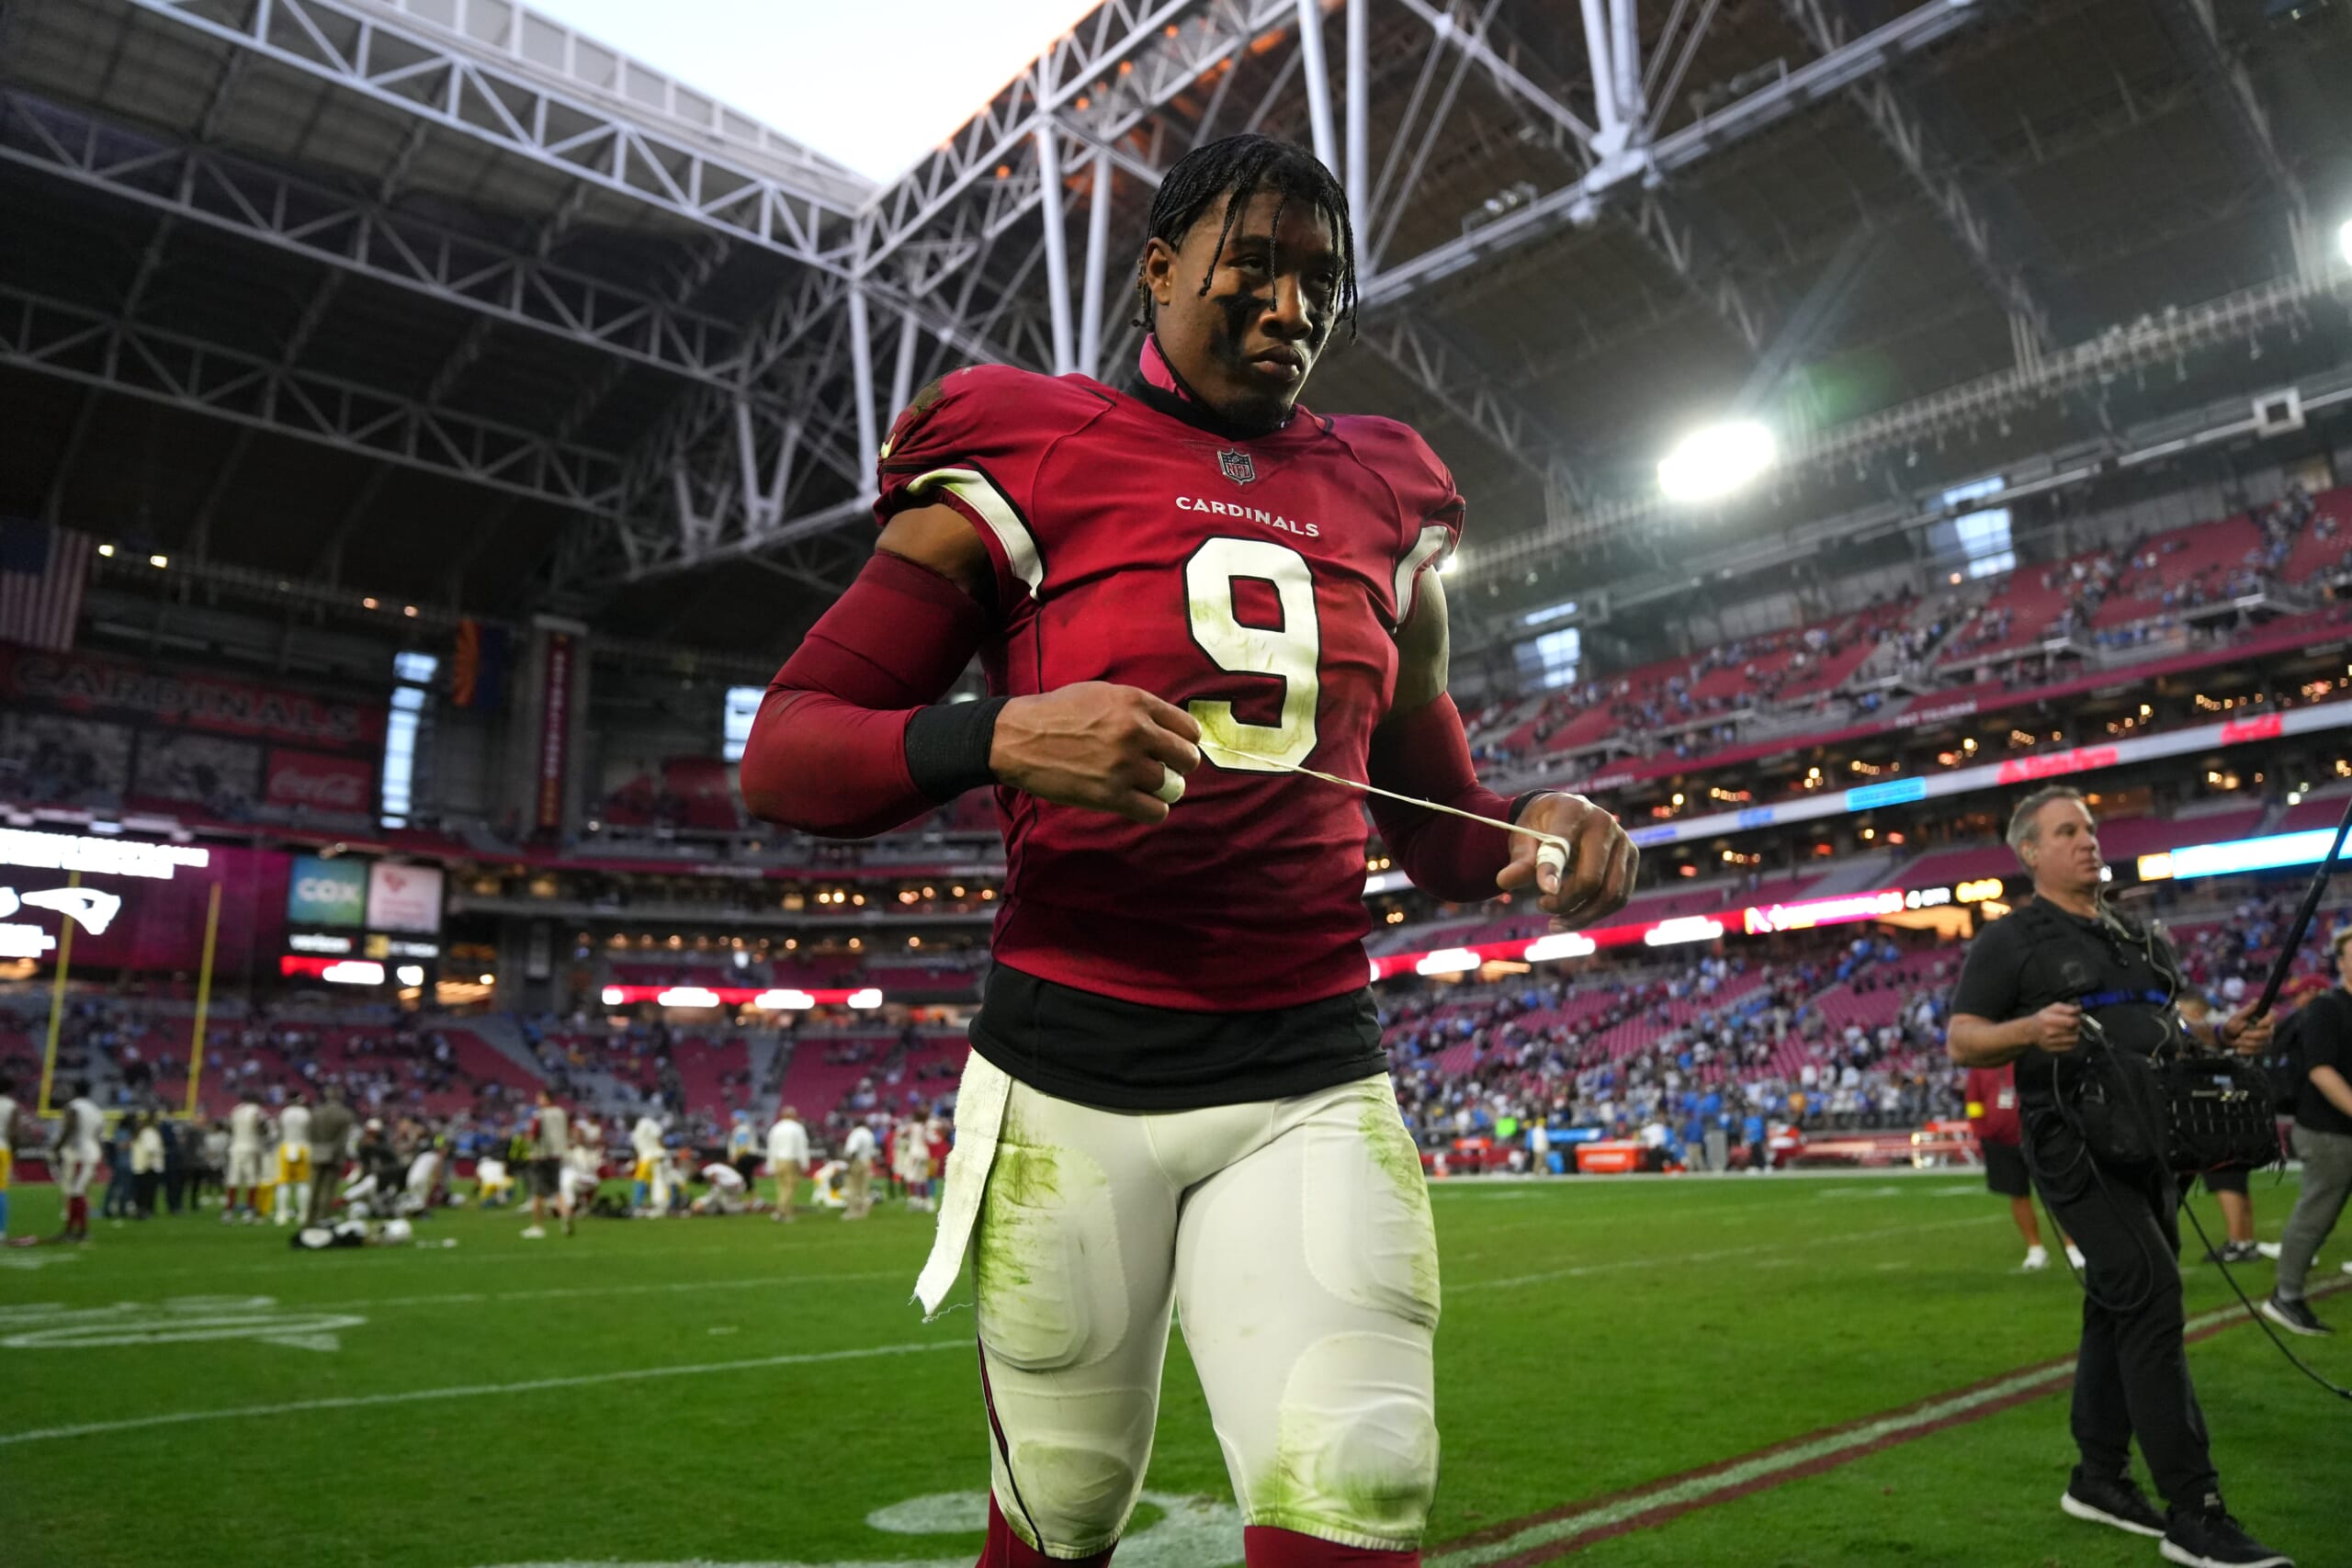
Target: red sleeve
827,754
1425,754
976,440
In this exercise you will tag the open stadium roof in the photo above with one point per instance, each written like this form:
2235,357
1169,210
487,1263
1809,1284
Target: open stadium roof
439,303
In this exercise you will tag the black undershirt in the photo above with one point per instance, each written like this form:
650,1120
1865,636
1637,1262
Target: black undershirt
1122,1055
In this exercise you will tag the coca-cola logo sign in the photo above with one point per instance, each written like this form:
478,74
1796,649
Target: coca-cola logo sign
320,783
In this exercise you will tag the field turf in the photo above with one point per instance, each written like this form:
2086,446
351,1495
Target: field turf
736,1392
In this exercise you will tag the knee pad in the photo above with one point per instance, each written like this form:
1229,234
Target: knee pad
1371,1240
1076,1464
1356,1446
1049,1283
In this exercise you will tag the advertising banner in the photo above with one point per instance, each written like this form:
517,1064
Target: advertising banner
327,892
89,683
555,732
403,898
312,782
222,776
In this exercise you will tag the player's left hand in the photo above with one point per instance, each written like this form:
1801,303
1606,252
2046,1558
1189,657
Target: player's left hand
1600,876
2244,1033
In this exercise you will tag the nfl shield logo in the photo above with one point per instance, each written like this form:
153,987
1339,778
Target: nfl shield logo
1237,466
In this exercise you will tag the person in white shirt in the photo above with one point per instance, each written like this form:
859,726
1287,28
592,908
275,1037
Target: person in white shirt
550,1148
78,1152
291,1205
645,1139
727,1190
857,1152
248,1148
146,1165
787,1158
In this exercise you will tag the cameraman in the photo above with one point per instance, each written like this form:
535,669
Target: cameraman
2323,1141
2027,982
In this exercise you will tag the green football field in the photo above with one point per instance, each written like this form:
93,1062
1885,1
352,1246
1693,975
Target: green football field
1746,1371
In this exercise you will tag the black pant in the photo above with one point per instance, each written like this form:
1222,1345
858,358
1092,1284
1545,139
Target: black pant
2131,1372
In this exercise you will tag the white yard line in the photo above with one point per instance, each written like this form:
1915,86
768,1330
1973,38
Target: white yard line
1840,1238
1681,1497
470,1390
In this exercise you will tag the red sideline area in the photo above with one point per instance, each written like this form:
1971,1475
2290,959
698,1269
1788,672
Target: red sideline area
1689,1492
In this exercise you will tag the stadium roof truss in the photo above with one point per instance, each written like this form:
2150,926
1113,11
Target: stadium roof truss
649,335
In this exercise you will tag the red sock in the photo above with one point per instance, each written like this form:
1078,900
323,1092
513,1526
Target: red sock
1264,1546
1006,1550
77,1215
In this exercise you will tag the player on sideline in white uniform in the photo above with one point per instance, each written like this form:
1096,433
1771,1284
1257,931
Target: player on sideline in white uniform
550,1151
787,1158
857,1153
248,1149
7,1146
583,1170
645,1138
727,1191
292,1205
911,1150
425,1174
79,1151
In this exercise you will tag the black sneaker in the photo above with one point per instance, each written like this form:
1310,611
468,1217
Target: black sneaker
2111,1500
2232,1252
2296,1317
2206,1537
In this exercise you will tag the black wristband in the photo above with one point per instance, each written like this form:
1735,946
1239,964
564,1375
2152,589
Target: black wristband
947,746
1523,802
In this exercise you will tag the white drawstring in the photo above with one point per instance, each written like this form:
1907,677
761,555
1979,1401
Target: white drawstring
1556,851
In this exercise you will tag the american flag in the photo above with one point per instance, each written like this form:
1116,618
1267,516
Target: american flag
42,571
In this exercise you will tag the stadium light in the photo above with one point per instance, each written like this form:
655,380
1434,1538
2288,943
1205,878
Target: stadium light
353,972
1711,463
871,996
613,996
409,974
2344,241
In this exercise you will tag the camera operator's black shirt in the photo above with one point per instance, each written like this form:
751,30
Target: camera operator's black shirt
2324,1040
2115,970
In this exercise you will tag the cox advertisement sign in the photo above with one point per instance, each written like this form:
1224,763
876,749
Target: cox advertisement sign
326,892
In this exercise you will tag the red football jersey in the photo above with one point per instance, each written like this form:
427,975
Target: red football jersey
1257,583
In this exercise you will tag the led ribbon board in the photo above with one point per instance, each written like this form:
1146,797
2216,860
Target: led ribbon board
1995,775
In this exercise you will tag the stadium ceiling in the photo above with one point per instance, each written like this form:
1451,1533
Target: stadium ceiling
436,301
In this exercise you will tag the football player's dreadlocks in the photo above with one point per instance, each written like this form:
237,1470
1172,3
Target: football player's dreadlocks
1234,169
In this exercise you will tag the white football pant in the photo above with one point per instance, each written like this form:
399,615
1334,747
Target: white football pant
76,1164
1296,1238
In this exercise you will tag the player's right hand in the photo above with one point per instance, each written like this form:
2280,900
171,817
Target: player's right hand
1103,747
2057,1028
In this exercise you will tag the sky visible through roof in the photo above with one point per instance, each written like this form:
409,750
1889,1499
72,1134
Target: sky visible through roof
873,83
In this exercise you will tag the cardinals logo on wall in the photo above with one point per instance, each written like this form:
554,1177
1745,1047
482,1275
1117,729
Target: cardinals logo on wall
1237,466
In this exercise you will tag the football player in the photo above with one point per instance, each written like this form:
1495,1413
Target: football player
249,1139
76,1157
292,1205
7,1145
1177,1092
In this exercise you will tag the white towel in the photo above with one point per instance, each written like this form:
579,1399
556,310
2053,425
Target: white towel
979,1115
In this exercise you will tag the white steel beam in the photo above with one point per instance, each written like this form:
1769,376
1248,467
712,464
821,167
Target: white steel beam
57,339
1098,268
357,234
1318,83
418,70
1049,177
1356,176
1905,134
1915,29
